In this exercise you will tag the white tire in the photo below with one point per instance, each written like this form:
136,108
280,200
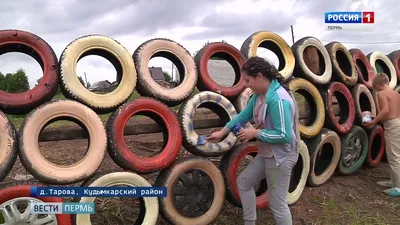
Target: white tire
304,159
373,57
121,179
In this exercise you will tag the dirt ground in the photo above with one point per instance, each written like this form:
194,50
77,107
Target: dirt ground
344,200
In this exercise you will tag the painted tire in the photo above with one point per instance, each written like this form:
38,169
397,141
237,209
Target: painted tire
120,152
149,207
347,107
394,57
363,67
21,189
241,102
275,43
8,146
48,172
229,166
226,52
299,174
325,155
375,96
213,194
306,88
41,51
179,56
343,67
312,61
376,146
112,51
381,63
354,151
222,107
397,88
243,99
363,101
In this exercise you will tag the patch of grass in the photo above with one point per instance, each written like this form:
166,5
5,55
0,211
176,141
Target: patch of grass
338,213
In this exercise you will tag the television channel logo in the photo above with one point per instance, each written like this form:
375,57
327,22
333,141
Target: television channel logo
349,21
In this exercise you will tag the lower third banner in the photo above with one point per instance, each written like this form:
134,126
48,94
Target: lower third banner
98,191
62,208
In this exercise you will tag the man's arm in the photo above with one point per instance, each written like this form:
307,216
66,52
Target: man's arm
281,116
384,107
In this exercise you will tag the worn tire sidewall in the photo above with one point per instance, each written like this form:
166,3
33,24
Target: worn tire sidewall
219,196
118,179
47,172
172,96
72,85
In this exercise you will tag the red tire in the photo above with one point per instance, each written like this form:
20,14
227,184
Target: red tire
395,59
19,189
120,152
228,53
363,67
229,166
41,51
347,107
376,146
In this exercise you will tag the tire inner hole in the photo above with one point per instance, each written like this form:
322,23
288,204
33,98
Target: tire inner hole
95,61
166,69
117,210
19,81
262,186
223,69
344,63
362,69
209,115
137,138
296,174
376,146
270,47
381,67
343,111
323,159
306,106
365,103
314,60
59,152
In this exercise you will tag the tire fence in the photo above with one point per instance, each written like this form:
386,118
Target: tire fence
331,84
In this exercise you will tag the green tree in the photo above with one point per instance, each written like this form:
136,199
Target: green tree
38,81
167,77
3,82
81,80
14,82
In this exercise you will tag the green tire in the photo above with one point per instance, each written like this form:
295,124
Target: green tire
354,150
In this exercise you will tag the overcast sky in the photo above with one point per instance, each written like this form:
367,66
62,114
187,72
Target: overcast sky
191,23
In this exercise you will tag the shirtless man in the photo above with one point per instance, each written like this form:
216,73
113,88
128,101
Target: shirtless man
389,114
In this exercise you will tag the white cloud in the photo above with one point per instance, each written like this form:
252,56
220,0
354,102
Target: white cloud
191,23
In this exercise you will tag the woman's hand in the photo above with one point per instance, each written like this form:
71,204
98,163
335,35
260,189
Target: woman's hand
215,136
247,134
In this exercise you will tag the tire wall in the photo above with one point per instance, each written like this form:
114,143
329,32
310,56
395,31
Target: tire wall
331,86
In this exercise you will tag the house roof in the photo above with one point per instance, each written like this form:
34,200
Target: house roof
157,73
100,85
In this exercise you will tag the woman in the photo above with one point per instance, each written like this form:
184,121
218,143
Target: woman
273,110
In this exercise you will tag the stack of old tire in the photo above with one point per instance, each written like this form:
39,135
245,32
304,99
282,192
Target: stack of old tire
197,188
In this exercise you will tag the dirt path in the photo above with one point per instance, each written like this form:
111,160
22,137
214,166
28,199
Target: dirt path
354,199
